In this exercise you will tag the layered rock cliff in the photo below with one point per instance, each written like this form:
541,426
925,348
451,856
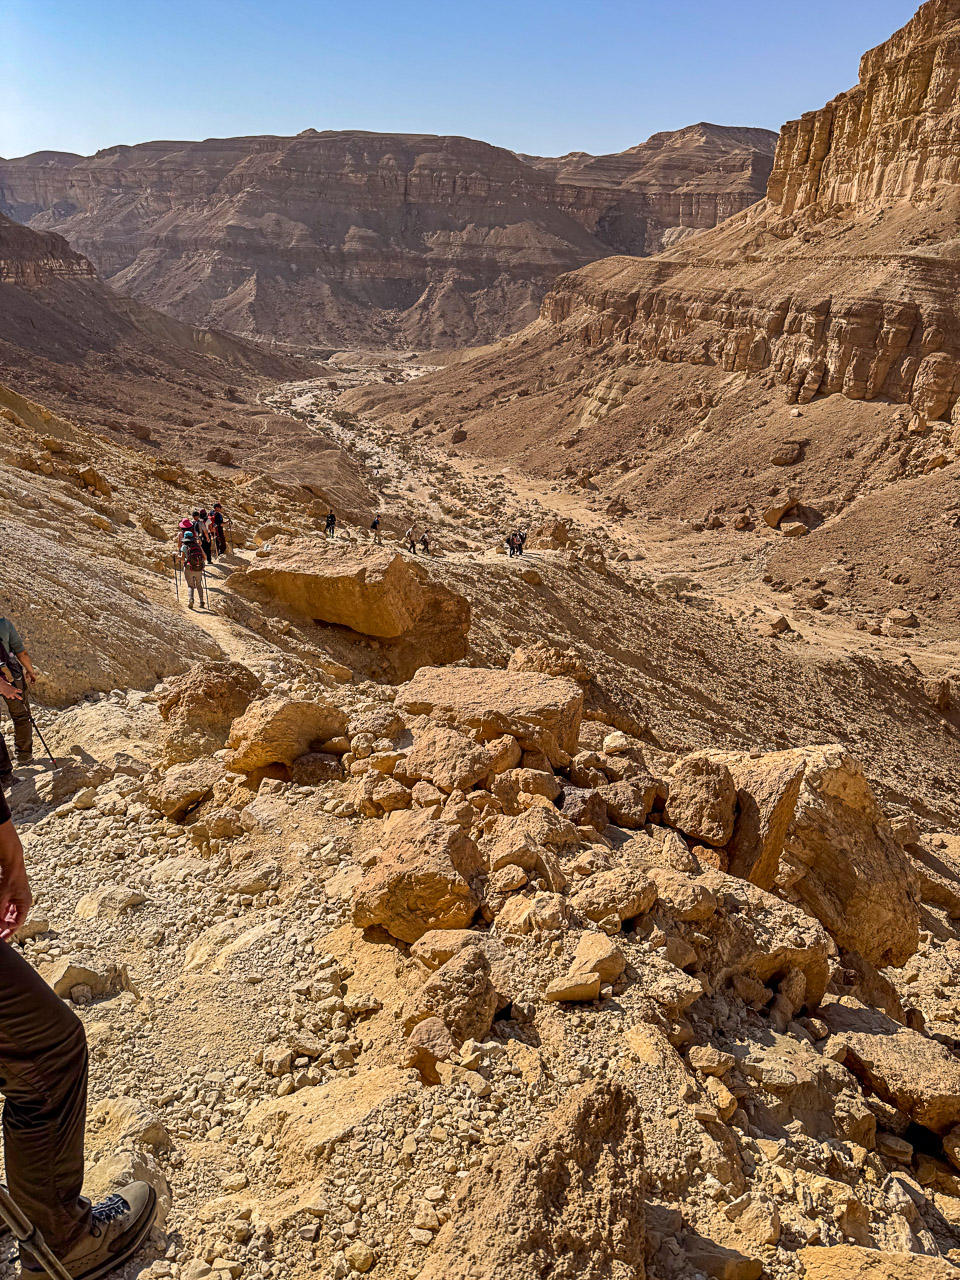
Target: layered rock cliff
844,279
29,259
663,384
344,237
67,338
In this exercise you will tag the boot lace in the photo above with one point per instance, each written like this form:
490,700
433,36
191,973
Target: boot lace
113,1207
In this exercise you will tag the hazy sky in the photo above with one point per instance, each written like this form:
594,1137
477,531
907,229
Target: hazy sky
590,75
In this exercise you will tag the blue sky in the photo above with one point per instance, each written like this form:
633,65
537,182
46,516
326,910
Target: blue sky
590,75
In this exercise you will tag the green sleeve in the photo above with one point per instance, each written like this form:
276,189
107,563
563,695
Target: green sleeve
11,636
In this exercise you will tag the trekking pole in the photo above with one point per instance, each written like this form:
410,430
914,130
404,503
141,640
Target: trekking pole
176,580
36,729
29,1236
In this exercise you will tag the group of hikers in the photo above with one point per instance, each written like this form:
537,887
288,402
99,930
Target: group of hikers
201,538
411,541
516,541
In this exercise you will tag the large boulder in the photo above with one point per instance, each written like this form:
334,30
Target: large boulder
373,591
915,1074
423,881
701,800
570,1203
200,706
183,786
459,993
446,758
852,1262
843,862
307,1125
278,730
768,788
542,712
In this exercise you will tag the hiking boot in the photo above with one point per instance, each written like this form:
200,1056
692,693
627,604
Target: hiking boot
25,758
189,604
119,1226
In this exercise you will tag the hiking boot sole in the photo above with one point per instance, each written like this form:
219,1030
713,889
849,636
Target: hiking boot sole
122,1255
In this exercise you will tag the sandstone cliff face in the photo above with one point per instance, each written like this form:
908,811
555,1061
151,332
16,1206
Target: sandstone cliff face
108,360
843,279
29,259
689,179
339,237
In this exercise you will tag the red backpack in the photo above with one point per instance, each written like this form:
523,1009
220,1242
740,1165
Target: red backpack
193,556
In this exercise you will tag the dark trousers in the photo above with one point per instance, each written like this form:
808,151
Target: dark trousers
43,1079
221,541
207,549
22,729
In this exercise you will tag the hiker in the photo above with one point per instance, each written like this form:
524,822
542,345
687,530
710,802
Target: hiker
411,540
185,524
425,542
43,1079
331,525
203,533
192,560
219,533
375,530
16,668
521,541
511,544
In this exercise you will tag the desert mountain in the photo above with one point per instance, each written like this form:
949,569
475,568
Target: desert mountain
589,936
439,914
74,343
118,367
331,238
668,382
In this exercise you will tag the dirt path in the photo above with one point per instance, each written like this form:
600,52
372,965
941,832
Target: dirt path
473,504
237,643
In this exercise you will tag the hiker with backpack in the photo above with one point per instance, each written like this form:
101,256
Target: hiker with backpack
43,1079
219,533
411,540
375,530
185,524
203,533
331,525
16,669
425,542
192,560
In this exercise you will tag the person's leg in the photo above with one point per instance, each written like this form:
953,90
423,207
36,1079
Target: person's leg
6,764
22,728
43,1078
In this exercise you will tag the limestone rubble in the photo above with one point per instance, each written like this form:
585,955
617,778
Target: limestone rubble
568,915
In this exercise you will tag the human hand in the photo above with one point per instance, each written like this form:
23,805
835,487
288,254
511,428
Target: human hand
15,896
31,676
9,690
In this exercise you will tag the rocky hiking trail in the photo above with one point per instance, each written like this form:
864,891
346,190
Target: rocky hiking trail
592,914
492,501
426,895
